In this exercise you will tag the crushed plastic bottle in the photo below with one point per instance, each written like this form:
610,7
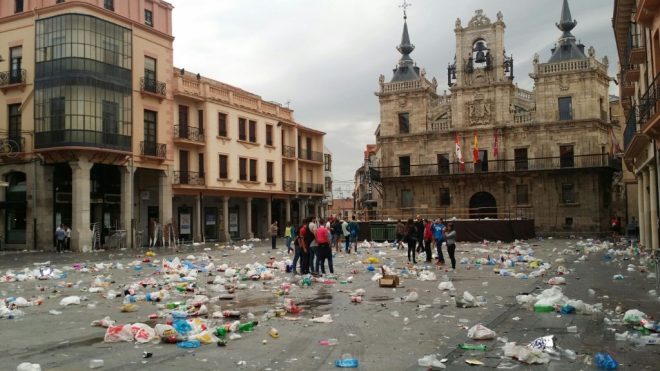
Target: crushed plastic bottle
465,346
604,361
347,361
189,344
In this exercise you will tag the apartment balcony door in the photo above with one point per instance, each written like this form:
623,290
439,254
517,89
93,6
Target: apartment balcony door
183,167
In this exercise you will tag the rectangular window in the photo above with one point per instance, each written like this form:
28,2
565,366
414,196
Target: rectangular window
520,158
150,133
567,193
14,132
150,74
222,124
57,114
223,163
404,123
110,122
15,65
18,6
404,165
242,169
59,1
200,121
327,162
253,131
253,170
566,158
522,194
443,163
269,172
565,108
242,134
148,17
109,4
200,165
269,135
406,198
445,200
482,163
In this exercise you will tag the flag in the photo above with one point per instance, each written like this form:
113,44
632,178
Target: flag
615,148
495,143
459,154
475,154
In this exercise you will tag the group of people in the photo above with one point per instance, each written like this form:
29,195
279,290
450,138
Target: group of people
420,234
63,238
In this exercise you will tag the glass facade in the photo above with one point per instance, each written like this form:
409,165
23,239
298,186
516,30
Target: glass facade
83,83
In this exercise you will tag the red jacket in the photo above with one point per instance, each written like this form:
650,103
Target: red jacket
428,233
322,235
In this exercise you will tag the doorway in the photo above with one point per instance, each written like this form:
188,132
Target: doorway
483,205
211,223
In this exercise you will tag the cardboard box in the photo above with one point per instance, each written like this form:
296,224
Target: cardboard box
389,281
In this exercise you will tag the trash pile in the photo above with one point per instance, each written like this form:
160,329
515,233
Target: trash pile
553,300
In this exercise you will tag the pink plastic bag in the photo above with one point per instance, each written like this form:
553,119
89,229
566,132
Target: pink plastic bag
115,334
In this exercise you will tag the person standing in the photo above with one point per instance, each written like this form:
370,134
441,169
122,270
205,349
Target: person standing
273,235
60,235
419,227
67,237
450,236
353,228
400,227
310,243
438,234
336,231
410,235
324,250
428,240
288,236
302,251
347,236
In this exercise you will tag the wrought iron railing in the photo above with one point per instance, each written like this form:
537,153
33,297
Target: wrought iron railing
153,86
188,178
631,128
503,166
82,138
12,145
307,154
189,133
289,186
288,151
310,188
12,77
649,102
153,149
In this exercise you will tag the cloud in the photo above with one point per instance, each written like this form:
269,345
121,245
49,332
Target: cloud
326,56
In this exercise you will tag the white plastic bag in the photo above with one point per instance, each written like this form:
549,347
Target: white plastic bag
557,281
446,286
481,332
326,318
430,361
633,316
27,366
142,333
115,334
70,300
413,296
427,276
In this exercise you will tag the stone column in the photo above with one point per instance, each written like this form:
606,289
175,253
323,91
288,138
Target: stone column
288,210
81,234
165,198
127,199
269,211
640,207
316,209
248,217
225,216
646,217
197,219
653,195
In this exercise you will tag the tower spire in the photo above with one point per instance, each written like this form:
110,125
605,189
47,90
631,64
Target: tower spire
566,47
566,22
406,69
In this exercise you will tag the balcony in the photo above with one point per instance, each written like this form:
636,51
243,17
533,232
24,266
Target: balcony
82,138
153,149
289,186
503,166
12,79
523,117
12,146
635,52
649,108
153,87
631,128
309,155
188,178
289,151
189,133
310,188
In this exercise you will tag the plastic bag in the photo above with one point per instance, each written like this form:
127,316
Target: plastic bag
430,361
557,281
413,296
142,333
427,276
446,286
164,330
633,316
525,354
326,318
481,332
70,300
27,366
115,334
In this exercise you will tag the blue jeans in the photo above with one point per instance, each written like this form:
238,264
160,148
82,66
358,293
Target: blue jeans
297,250
347,242
438,246
287,242
313,252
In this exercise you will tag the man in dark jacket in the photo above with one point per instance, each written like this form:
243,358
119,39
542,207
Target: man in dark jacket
419,226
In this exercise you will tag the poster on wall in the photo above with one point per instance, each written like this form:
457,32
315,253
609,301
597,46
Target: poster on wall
184,224
233,222
210,219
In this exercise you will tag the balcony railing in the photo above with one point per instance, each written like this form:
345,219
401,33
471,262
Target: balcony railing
648,103
153,86
12,145
188,178
82,138
188,133
503,166
289,186
523,117
310,188
288,151
310,155
153,149
631,128
12,77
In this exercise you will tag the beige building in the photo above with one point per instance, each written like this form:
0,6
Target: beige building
488,149
636,26
104,135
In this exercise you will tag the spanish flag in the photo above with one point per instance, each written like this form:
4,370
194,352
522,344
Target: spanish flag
476,149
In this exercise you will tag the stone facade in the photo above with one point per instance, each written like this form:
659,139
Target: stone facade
542,154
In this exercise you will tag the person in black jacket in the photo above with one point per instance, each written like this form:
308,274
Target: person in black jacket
410,235
419,226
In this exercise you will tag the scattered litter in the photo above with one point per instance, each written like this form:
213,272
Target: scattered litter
481,332
430,361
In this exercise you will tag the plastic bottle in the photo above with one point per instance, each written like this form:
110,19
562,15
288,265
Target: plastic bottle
543,308
329,342
465,346
604,361
189,344
347,361
221,331
247,326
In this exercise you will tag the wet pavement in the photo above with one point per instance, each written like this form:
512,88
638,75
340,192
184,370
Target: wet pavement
383,332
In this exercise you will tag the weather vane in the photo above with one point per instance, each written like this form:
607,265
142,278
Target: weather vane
405,6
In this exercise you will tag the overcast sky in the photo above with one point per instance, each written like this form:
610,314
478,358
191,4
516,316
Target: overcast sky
325,56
